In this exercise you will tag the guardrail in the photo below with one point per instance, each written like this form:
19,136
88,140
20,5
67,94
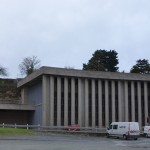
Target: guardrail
57,128
54,128
27,126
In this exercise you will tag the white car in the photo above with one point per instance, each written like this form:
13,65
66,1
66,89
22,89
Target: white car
147,131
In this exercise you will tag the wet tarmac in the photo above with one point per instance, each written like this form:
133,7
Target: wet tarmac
54,141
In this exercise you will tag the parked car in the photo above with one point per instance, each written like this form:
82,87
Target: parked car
126,130
74,127
147,131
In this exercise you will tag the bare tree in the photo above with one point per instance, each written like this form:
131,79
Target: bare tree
3,71
29,65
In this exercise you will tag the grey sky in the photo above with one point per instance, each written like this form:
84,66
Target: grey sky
67,32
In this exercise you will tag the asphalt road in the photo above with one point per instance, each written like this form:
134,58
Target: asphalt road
70,142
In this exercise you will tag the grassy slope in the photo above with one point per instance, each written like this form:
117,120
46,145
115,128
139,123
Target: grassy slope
14,131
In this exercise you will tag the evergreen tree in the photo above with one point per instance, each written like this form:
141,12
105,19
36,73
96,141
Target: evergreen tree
142,66
103,60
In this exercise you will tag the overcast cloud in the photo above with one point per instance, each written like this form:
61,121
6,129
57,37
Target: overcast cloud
67,32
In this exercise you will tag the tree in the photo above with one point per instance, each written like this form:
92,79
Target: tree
3,71
29,65
103,60
142,66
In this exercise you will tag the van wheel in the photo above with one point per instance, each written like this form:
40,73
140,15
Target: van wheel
124,137
135,138
146,135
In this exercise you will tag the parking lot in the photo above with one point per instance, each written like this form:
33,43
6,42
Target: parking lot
54,141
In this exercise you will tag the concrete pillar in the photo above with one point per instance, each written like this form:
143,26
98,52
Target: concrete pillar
145,102
113,101
80,121
86,104
24,95
51,101
93,103
65,101
126,101
120,102
139,104
132,101
106,104
45,101
72,101
100,103
58,101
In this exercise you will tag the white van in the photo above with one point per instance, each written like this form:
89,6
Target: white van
125,130
147,131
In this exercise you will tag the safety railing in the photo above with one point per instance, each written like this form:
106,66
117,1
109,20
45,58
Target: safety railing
55,128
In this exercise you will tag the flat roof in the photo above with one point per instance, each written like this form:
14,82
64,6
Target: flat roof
83,74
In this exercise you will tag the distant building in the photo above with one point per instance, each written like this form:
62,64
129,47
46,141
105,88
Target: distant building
90,98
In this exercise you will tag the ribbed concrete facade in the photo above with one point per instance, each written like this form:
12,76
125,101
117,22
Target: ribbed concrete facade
91,99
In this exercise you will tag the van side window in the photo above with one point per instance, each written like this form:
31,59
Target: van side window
115,126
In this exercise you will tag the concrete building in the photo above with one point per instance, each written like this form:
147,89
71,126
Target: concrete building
92,99
12,110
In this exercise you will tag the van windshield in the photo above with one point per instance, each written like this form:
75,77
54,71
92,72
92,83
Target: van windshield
110,127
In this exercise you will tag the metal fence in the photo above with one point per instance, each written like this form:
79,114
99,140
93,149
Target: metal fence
54,128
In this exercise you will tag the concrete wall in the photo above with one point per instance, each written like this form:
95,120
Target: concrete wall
34,97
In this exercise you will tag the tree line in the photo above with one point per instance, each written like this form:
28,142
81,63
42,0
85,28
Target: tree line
26,67
101,60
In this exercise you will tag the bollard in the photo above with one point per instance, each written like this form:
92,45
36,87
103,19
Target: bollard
38,126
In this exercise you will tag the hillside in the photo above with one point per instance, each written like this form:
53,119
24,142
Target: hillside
8,91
